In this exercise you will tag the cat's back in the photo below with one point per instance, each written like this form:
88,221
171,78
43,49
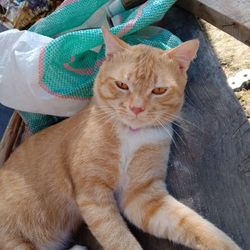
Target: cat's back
41,164
47,152
43,144
58,147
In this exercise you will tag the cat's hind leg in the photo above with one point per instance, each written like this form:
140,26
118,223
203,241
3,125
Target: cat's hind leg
152,209
14,243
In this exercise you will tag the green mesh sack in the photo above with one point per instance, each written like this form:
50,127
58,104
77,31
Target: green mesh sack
69,63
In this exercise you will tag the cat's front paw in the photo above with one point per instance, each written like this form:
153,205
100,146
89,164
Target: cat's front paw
224,243
227,245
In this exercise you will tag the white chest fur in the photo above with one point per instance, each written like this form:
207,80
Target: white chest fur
130,142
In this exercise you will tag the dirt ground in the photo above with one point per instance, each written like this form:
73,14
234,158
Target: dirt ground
234,56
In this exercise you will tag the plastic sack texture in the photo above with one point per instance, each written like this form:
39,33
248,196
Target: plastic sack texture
68,64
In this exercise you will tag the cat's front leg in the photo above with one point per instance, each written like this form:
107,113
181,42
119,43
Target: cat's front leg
100,212
152,209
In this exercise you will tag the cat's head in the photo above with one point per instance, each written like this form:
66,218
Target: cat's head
141,86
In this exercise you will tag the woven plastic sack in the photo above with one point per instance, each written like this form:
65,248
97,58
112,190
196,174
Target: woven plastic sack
68,64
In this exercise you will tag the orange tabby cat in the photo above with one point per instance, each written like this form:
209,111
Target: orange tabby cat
109,158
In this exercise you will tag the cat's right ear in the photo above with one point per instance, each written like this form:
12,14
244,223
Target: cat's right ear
185,53
113,43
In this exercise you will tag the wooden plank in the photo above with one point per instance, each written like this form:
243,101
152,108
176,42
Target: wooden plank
209,168
230,16
11,135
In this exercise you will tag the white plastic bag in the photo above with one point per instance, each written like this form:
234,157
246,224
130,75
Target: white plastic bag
19,83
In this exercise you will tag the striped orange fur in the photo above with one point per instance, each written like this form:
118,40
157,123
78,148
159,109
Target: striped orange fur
108,159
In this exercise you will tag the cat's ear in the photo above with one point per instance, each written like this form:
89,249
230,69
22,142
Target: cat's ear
184,53
112,42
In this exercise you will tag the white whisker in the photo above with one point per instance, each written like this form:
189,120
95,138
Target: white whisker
167,130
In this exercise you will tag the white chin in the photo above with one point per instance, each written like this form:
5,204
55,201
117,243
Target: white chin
135,124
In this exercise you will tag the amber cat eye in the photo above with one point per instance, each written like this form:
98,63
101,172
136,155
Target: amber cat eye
159,91
121,85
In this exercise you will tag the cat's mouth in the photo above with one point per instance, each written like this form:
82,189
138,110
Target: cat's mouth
135,124
134,129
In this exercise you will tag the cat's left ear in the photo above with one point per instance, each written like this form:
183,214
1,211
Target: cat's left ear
184,53
112,42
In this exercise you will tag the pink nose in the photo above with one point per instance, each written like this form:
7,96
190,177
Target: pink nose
136,110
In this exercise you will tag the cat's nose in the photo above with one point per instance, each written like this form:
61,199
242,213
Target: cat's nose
136,110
